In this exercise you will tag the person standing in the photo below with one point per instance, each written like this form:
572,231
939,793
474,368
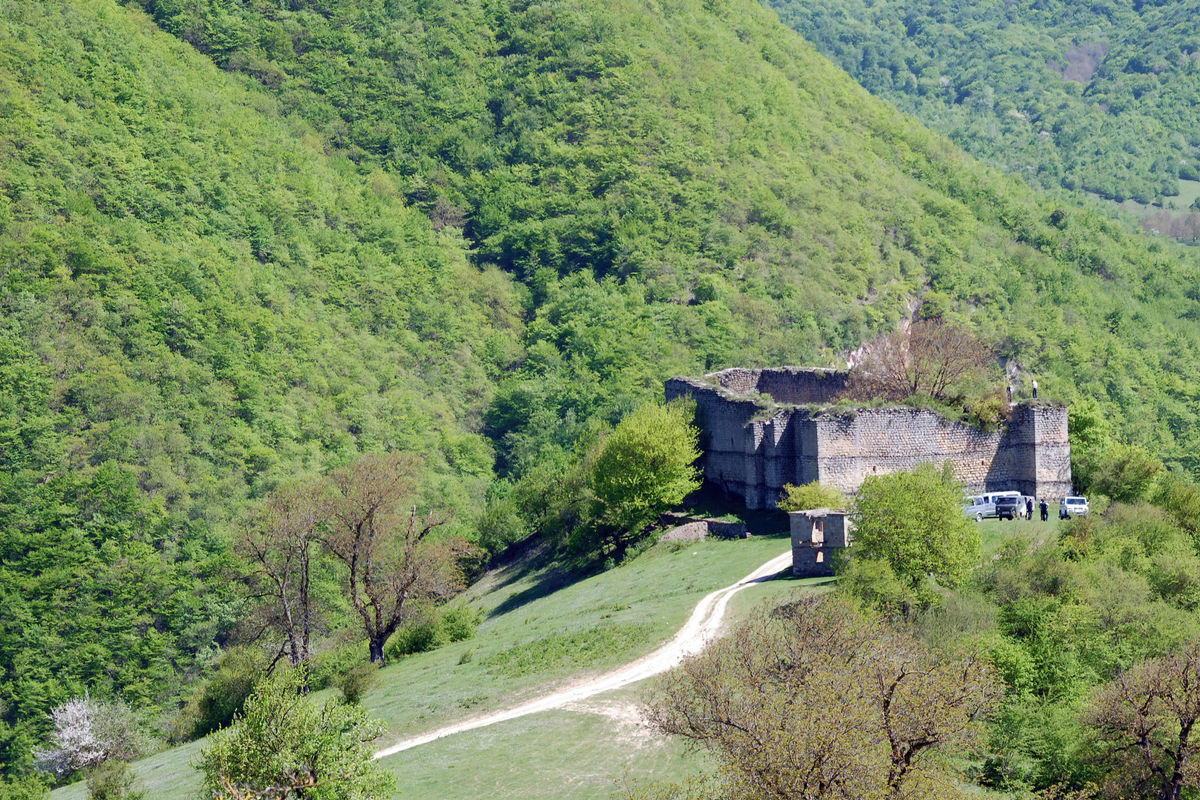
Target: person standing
1035,388
1045,510
1029,508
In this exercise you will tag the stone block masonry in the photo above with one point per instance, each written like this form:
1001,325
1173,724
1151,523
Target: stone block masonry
761,429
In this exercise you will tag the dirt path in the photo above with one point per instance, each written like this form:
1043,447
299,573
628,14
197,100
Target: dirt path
701,626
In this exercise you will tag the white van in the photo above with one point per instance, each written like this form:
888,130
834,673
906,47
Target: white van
984,505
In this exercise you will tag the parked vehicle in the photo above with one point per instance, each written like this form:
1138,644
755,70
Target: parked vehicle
1010,506
984,505
1072,507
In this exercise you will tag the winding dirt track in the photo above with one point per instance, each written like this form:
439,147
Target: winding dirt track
701,627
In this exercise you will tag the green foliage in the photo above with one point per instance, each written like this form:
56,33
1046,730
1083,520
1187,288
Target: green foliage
434,628
913,522
25,788
1066,615
215,703
1125,473
284,743
809,496
355,681
1064,93
113,780
645,466
480,232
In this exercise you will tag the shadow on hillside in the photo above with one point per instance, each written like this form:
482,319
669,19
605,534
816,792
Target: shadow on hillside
549,582
709,501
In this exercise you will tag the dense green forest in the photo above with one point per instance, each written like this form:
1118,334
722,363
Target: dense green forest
242,243
1094,96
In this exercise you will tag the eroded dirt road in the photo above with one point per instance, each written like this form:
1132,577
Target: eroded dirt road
702,626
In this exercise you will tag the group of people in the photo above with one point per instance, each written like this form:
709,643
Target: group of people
1042,507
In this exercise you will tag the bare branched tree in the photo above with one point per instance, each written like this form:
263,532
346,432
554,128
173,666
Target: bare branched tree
818,701
374,528
930,358
279,541
1149,717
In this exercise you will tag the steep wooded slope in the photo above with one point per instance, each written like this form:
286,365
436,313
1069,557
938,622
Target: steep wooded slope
195,303
686,185
1098,96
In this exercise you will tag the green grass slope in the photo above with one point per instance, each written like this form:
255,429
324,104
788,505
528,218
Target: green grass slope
539,634
196,302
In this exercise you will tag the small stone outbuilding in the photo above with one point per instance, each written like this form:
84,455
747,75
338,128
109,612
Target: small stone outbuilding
818,534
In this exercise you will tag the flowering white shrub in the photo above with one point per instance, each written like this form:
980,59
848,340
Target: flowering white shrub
87,733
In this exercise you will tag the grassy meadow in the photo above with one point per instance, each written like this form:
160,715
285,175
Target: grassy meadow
541,630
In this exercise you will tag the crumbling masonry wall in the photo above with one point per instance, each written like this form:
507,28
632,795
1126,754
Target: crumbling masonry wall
751,451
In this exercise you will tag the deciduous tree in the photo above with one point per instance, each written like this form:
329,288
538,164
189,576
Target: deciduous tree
913,521
643,467
279,541
928,358
392,564
816,700
1149,718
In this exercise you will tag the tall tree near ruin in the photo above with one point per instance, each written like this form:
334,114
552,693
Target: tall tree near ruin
279,541
930,358
393,565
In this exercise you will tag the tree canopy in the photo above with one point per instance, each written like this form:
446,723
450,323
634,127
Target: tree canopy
912,521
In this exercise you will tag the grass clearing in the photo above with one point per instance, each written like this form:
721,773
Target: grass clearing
542,629
995,532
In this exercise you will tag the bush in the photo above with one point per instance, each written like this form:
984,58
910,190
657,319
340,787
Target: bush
355,681
434,629
221,697
809,496
284,744
459,622
329,666
28,788
114,780
87,733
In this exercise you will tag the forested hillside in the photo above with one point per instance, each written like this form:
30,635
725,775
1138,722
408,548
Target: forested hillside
684,186
1100,97
197,303
250,241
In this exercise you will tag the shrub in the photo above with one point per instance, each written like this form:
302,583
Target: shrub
114,780
419,636
283,744
459,622
811,495
434,629
355,681
222,696
88,733
27,788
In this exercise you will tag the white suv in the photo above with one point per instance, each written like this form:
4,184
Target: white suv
1072,507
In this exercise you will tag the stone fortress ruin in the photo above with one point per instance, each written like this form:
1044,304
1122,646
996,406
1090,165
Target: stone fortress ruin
763,428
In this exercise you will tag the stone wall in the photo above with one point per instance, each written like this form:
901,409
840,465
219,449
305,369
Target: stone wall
697,529
784,384
751,452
